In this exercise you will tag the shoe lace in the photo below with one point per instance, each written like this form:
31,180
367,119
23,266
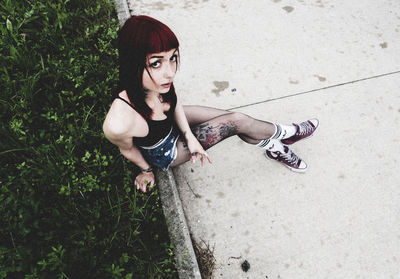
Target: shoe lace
305,128
290,157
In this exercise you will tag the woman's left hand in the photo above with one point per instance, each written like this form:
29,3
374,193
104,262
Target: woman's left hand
197,150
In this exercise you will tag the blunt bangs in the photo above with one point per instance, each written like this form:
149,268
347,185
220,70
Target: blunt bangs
161,39
148,35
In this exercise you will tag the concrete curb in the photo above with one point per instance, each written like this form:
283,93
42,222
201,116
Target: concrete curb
176,222
122,11
183,248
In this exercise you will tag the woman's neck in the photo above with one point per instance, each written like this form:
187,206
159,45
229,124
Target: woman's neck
154,97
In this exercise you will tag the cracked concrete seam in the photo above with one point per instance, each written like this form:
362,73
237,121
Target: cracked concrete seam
317,89
183,248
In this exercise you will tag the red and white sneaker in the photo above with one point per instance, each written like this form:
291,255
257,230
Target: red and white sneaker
287,158
303,130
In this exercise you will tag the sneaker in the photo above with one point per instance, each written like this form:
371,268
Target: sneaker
288,158
303,130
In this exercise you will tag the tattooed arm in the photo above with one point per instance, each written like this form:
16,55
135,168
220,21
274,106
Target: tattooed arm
193,144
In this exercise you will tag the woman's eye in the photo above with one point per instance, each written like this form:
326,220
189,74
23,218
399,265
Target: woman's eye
174,58
155,64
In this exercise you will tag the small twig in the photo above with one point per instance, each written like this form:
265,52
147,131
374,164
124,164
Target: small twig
195,195
12,239
13,243
208,247
81,194
236,258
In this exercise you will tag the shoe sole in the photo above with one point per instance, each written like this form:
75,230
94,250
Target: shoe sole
290,168
306,137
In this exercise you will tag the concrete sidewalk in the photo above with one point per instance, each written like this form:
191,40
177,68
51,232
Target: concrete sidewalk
287,61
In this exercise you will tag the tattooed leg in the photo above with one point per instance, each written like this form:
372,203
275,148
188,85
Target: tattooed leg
219,128
247,128
199,114
209,135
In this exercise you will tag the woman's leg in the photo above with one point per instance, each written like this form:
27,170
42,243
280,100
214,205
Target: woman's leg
211,126
200,114
223,125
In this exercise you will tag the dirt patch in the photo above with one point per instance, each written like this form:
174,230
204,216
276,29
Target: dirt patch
288,9
220,86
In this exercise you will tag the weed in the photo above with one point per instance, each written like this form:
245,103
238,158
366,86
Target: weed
68,205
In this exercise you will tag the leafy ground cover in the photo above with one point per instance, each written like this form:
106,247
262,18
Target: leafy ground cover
67,202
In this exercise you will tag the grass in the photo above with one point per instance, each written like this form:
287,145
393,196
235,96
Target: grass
66,198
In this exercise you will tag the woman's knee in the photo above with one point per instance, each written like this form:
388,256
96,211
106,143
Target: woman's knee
241,120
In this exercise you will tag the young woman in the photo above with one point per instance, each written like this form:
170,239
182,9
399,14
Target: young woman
152,128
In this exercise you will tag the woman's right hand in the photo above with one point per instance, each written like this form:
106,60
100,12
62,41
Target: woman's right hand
143,180
197,150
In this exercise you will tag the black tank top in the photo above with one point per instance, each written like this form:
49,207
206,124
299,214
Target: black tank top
158,129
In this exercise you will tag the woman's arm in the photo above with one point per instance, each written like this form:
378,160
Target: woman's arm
181,120
146,177
133,154
194,146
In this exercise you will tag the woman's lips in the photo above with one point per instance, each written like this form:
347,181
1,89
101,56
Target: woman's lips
166,85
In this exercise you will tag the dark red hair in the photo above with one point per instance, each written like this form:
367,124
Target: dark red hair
138,37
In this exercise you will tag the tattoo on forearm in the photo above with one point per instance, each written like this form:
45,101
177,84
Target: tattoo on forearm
209,135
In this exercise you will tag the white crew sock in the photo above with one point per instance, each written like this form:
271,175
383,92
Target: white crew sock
283,131
274,142
271,145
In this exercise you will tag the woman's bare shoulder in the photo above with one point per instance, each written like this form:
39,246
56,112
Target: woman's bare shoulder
123,122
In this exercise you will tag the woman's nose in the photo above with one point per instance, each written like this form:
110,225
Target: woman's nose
169,71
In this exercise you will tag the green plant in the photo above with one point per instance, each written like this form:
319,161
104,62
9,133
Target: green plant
66,198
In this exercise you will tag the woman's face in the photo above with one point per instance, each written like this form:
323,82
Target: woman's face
162,67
